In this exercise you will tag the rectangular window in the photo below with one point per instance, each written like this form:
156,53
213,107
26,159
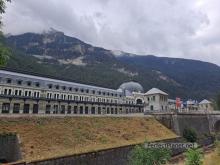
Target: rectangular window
81,109
5,107
16,108
5,91
26,108
62,109
69,109
112,110
38,94
55,109
86,110
75,98
116,111
49,95
99,110
93,110
20,92
9,92
16,92
154,98
69,97
48,109
35,109
75,109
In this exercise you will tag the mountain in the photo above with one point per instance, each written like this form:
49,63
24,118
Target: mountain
55,54
199,78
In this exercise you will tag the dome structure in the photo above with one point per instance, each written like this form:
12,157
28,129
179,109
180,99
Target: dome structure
131,87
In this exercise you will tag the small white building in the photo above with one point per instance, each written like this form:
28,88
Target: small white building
156,100
206,105
172,104
191,105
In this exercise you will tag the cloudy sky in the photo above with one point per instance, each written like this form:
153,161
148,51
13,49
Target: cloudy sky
173,28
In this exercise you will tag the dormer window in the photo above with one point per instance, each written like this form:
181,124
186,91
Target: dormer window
50,86
19,82
57,87
37,84
28,83
76,89
64,88
9,81
93,91
87,91
70,88
82,90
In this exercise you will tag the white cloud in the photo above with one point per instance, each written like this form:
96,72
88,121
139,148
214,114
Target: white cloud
174,28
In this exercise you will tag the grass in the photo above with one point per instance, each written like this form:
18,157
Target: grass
47,137
210,158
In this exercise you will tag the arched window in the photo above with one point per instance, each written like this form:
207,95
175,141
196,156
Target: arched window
139,101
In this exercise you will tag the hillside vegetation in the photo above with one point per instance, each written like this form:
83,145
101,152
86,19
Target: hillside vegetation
46,137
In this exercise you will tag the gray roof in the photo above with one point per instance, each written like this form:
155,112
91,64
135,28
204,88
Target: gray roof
205,102
155,91
44,81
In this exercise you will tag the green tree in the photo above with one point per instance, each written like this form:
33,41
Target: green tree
4,51
190,135
194,157
218,101
3,5
4,54
149,156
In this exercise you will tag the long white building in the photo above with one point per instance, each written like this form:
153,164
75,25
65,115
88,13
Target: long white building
31,94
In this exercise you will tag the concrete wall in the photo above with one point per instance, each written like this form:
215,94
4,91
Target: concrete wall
9,148
116,156
201,123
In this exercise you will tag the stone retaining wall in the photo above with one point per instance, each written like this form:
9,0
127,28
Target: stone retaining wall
115,156
9,148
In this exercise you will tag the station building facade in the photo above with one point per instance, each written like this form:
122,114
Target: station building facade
22,93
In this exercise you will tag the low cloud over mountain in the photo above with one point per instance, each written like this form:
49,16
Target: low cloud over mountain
174,28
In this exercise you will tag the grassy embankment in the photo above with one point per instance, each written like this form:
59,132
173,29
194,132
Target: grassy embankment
53,137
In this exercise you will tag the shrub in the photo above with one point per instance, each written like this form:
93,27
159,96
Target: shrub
194,157
149,156
190,135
